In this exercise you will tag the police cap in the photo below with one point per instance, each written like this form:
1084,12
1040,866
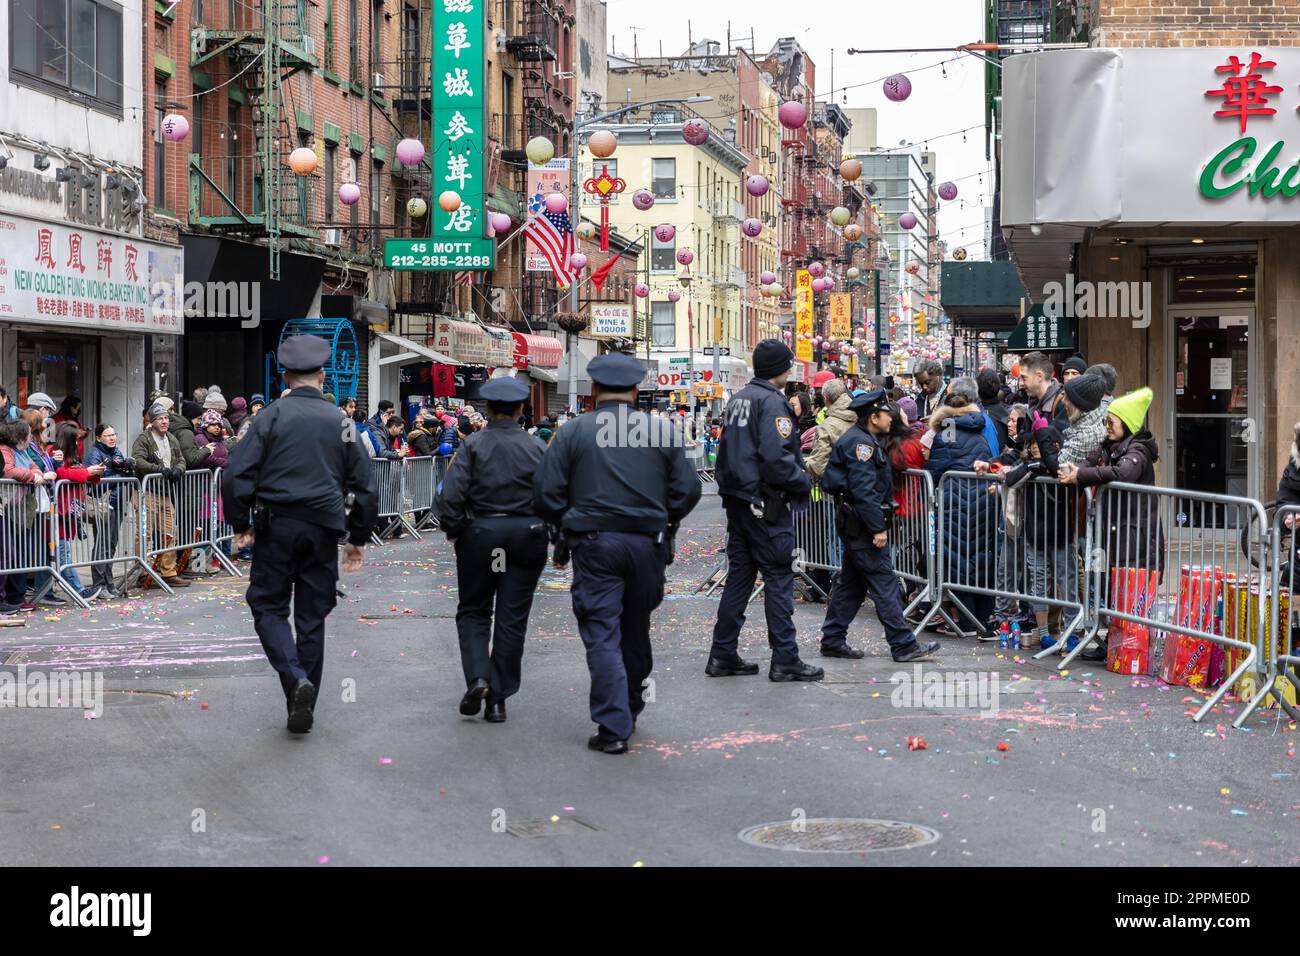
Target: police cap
869,401
504,390
615,370
303,353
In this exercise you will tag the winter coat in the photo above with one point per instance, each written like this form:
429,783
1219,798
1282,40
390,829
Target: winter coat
219,451
19,503
1134,535
115,466
424,443
70,502
1083,437
182,430
908,494
1044,512
970,513
838,420
1288,488
999,414
145,453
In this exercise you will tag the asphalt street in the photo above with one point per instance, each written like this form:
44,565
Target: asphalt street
189,762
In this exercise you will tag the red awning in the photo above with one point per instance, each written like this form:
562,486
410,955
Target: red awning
539,350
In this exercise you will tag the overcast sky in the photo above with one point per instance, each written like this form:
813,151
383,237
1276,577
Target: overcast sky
939,104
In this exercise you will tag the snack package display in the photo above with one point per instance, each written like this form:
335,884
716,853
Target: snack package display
1128,644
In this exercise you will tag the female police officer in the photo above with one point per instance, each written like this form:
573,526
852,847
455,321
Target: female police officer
486,509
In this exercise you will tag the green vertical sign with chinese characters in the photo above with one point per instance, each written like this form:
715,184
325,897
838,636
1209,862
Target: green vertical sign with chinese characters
459,77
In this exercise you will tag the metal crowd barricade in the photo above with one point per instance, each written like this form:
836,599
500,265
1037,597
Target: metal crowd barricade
390,475
420,478
98,529
911,536
1162,564
177,518
1000,548
223,533
1280,625
27,542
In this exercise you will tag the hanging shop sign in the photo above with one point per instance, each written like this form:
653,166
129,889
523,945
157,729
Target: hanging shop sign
841,314
459,129
803,316
611,320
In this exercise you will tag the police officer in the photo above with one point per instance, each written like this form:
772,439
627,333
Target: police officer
285,492
760,474
859,476
486,509
617,482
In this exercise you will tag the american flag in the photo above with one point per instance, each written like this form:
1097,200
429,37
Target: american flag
464,277
553,234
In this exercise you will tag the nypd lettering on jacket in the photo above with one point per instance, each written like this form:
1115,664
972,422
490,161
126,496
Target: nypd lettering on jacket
760,446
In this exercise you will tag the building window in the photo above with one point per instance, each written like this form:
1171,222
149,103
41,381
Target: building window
196,134
411,50
376,38
232,148
71,48
331,157
354,34
329,35
662,255
663,330
665,179
159,151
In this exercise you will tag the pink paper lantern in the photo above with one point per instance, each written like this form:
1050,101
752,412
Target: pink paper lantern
947,191
642,290
643,199
500,222
819,285
175,127
349,194
665,232
757,185
897,87
767,278
907,221
578,262
410,152
674,296
685,256
792,114
695,132
557,203
816,270
752,227
828,283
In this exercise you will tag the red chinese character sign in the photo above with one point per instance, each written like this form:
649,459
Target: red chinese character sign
603,187
1245,94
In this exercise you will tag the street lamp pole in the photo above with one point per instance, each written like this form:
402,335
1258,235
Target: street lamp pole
575,199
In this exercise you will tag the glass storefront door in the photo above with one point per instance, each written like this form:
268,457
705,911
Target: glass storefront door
1214,426
59,367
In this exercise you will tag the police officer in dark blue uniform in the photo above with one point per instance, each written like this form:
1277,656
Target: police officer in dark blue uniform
285,492
617,482
859,477
760,475
486,509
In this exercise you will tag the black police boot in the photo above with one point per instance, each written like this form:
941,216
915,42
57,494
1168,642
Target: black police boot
724,667
784,673
1096,651
473,699
842,650
597,742
301,702
496,712
915,651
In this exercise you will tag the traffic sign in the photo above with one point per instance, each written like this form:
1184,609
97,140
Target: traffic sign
462,253
716,350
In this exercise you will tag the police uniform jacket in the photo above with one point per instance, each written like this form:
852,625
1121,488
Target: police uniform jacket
301,460
492,473
760,446
859,470
616,469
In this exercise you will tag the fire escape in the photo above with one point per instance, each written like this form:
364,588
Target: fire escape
249,192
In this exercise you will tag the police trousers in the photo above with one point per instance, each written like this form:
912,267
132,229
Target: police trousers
753,546
498,562
866,570
618,581
296,560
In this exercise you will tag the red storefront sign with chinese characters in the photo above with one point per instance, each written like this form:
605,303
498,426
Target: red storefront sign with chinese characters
1246,94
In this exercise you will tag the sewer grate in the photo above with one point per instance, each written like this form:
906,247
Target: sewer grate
839,835
564,826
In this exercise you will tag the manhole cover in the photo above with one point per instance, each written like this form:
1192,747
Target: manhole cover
544,828
838,835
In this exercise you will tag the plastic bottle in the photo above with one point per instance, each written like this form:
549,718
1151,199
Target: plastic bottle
1004,637
1015,636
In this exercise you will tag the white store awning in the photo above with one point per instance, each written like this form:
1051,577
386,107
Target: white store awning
411,351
